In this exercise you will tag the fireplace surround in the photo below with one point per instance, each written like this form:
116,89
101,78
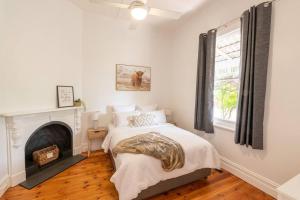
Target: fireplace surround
22,128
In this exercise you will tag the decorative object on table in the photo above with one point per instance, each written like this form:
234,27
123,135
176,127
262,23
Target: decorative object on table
95,118
79,103
133,78
98,133
46,155
169,116
65,96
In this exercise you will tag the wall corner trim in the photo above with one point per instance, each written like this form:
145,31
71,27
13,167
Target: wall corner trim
257,180
4,184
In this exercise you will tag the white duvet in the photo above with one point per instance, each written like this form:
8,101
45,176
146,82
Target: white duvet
136,172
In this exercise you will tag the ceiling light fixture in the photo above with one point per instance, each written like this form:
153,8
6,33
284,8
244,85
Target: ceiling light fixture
138,10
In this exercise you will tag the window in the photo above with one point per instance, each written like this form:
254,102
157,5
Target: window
227,69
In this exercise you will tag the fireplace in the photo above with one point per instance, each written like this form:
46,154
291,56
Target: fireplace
52,133
38,129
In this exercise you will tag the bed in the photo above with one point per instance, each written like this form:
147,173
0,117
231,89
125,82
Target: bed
139,176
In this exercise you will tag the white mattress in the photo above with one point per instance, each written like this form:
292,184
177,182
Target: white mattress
136,172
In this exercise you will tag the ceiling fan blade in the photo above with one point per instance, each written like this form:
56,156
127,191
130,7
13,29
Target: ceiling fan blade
165,13
152,11
108,3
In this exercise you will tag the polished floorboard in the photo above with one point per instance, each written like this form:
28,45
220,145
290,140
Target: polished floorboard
89,180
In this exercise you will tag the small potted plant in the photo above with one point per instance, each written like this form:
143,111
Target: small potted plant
79,103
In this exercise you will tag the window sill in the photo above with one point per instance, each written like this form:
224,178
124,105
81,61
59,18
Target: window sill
224,124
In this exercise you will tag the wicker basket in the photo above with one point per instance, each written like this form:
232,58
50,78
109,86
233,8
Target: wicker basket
46,155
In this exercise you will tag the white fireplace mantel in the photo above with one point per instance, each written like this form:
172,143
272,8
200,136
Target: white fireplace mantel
21,125
29,112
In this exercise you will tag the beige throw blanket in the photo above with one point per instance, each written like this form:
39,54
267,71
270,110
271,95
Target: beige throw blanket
156,145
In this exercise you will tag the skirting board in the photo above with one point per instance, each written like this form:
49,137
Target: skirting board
77,150
4,184
17,178
94,147
84,147
262,183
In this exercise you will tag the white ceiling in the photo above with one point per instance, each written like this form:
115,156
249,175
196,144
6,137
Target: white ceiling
183,6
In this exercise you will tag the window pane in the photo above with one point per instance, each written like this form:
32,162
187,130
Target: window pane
226,96
227,75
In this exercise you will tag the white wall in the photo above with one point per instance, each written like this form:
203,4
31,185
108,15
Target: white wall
3,158
280,159
3,29
2,21
41,48
44,45
107,42
3,139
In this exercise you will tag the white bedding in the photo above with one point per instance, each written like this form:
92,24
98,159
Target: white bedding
136,172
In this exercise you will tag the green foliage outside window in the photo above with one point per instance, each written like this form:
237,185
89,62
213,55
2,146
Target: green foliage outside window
226,95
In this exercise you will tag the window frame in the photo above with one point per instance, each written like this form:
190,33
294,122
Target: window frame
218,122
224,124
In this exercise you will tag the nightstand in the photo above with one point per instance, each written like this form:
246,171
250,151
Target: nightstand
98,133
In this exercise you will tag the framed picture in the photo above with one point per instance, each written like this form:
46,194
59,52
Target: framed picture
133,78
65,96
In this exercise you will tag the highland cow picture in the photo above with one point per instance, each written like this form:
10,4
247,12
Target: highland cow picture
133,78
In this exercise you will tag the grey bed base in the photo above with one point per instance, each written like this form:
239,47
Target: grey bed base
169,184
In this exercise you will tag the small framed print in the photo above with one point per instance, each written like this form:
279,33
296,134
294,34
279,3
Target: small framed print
65,96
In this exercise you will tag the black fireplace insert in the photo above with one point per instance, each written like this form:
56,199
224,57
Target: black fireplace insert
52,133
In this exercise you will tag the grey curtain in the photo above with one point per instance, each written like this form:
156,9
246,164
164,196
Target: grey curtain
256,26
204,106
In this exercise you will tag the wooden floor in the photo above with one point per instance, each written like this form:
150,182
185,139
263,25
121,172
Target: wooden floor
89,180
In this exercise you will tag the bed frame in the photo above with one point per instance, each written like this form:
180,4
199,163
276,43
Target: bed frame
169,184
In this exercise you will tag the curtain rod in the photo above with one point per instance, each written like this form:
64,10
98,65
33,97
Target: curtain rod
237,18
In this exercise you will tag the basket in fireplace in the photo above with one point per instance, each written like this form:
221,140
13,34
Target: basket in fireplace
46,155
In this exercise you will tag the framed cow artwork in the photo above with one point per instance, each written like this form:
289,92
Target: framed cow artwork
133,78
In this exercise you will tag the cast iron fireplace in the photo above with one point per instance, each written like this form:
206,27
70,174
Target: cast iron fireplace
52,133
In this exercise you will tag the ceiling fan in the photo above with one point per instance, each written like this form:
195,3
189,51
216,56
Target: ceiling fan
139,10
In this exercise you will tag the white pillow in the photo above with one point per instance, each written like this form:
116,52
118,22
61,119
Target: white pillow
127,108
121,119
148,108
144,119
159,116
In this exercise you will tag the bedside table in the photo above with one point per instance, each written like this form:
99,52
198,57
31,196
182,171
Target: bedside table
98,133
